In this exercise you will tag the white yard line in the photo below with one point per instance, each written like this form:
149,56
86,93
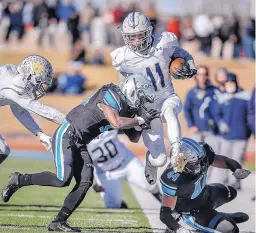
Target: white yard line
150,207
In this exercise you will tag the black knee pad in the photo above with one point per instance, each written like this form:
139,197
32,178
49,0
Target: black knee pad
227,226
233,192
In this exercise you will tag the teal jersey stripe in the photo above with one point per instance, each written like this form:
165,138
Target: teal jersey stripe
110,100
58,151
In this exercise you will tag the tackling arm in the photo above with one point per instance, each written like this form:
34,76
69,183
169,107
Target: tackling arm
116,121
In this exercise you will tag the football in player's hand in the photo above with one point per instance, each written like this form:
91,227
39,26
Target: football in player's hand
180,69
176,63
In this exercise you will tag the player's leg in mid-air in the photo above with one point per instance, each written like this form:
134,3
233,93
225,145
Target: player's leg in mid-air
156,157
112,194
4,150
70,161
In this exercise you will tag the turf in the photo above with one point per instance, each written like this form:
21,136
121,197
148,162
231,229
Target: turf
32,208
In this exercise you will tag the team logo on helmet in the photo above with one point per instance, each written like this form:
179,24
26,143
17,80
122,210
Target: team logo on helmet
37,67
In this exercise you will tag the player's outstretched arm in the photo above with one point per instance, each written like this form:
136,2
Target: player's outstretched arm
221,161
27,103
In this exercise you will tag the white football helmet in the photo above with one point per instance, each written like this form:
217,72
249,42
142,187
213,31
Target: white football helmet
137,88
38,74
190,157
137,32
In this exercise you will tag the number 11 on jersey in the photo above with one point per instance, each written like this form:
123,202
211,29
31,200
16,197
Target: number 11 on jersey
152,78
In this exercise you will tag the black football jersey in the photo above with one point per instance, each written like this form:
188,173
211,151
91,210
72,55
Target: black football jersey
190,189
88,120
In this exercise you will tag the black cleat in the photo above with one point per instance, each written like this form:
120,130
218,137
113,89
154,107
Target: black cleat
62,227
124,205
12,186
238,217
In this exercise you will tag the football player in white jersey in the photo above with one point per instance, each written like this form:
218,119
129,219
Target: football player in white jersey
113,162
20,87
151,56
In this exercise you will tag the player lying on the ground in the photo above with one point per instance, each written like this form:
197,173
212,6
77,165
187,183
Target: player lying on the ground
151,56
185,191
106,109
20,87
113,162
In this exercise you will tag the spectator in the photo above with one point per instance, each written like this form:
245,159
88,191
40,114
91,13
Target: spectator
151,13
173,26
14,12
197,109
251,118
73,26
72,82
118,16
204,29
231,117
78,53
225,33
65,9
40,18
221,78
86,17
98,58
249,40
187,30
251,113
235,36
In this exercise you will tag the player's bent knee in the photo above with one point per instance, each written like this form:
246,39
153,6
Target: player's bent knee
160,161
227,226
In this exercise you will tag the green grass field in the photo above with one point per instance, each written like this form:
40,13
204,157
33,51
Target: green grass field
32,208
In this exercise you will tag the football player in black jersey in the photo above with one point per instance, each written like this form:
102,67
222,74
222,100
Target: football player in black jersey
106,109
187,195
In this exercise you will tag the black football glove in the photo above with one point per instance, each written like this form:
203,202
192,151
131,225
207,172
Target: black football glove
148,116
184,73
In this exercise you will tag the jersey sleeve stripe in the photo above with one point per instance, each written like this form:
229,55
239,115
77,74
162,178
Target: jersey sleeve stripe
168,191
108,98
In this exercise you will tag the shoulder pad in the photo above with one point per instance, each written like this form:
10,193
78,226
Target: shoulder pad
8,68
169,39
117,56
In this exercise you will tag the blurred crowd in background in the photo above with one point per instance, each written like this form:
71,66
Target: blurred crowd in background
96,26
222,116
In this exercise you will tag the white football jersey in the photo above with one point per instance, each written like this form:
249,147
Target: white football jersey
154,65
106,151
15,93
